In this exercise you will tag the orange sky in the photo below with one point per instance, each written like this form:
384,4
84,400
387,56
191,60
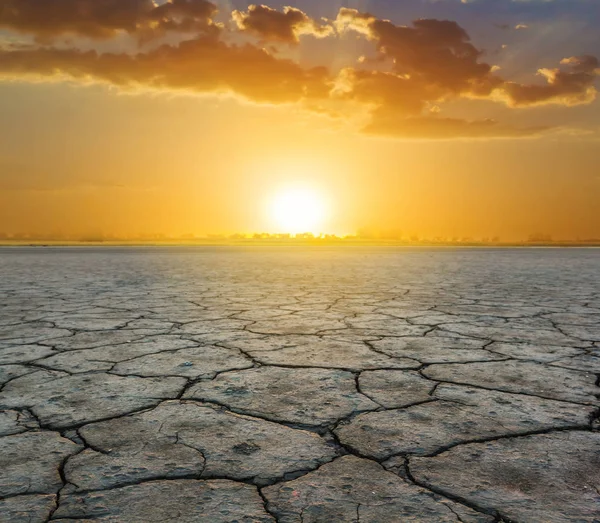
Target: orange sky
432,118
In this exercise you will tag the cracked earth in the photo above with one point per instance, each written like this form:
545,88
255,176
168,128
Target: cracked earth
298,385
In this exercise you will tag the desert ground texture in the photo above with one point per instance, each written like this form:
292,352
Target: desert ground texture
299,385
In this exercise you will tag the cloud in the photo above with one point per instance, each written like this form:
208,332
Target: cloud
432,127
437,57
415,67
431,61
202,65
386,92
437,54
102,19
507,27
574,86
272,25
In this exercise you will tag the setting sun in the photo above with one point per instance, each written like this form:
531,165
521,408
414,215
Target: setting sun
298,210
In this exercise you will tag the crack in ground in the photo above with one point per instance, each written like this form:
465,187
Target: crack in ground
453,497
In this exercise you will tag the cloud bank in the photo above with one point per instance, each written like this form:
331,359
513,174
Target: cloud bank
103,19
410,68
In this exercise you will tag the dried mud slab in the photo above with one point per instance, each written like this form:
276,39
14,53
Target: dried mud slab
30,509
29,462
11,372
334,355
528,351
93,322
512,334
15,422
105,357
501,311
211,326
23,353
188,439
188,501
297,324
586,363
550,478
389,327
582,332
394,389
90,340
301,396
462,414
435,350
195,363
60,400
521,377
27,333
351,489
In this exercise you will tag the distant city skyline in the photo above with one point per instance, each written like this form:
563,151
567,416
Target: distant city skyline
361,236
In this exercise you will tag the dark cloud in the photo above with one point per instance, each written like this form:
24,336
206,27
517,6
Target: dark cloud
431,61
437,54
573,86
390,93
48,19
202,65
272,25
436,58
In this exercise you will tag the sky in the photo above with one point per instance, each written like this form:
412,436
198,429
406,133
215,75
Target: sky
430,118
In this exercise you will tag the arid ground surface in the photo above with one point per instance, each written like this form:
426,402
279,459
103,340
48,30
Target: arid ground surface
299,385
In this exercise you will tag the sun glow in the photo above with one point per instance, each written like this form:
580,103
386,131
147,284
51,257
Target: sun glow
298,210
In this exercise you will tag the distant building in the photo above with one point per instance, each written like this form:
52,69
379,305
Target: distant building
539,238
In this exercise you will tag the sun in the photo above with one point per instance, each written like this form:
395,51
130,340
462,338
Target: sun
298,210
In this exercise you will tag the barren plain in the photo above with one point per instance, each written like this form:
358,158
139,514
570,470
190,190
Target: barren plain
299,385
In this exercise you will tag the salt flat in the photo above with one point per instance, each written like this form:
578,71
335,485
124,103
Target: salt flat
299,385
